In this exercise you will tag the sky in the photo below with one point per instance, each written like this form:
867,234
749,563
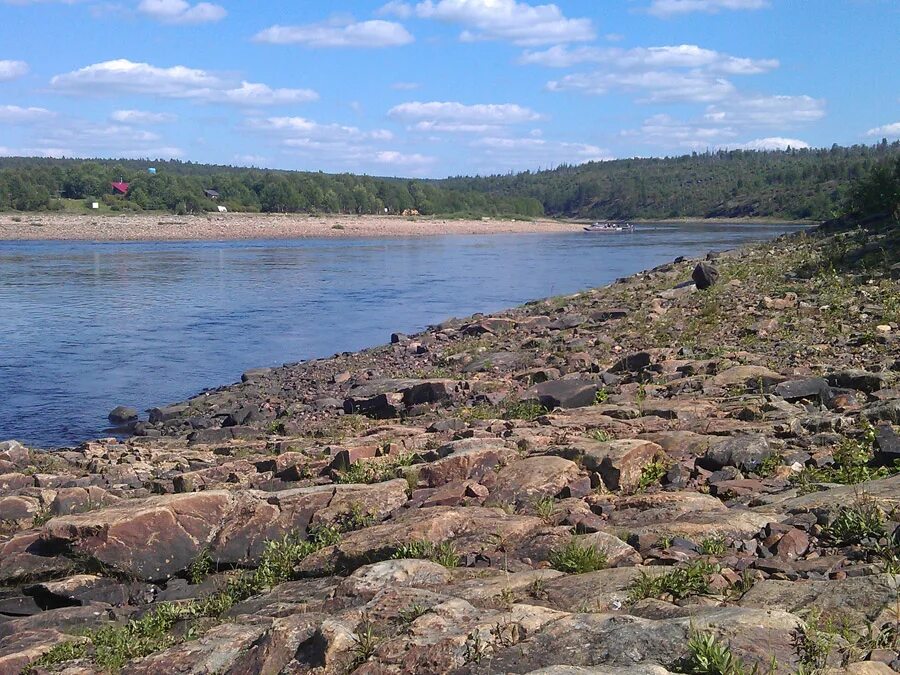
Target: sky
435,88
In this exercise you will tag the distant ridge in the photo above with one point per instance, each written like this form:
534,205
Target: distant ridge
796,184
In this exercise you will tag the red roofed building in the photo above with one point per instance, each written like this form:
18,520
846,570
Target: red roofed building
120,188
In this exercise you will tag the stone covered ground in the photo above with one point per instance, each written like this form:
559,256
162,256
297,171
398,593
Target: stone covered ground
643,478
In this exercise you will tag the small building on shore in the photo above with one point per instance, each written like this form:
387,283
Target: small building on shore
120,188
211,194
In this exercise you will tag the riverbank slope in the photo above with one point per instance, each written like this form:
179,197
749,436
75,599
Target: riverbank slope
637,478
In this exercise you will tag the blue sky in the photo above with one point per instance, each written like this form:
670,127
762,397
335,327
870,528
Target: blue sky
442,87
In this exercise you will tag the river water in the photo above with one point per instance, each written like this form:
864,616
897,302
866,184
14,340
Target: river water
86,326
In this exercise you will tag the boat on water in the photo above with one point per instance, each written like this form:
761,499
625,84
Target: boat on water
610,227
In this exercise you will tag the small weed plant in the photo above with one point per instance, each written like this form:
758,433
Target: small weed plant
444,553
713,546
577,558
652,473
707,655
544,508
681,582
376,470
864,519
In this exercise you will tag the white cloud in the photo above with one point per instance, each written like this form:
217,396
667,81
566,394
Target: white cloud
90,135
394,158
771,143
402,10
336,147
530,153
451,116
122,76
182,12
252,93
252,160
517,22
663,130
650,58
766,111
886,130
305,128
36,152
141,117
10,70
375,33
654,86
667,132
666,8
13,114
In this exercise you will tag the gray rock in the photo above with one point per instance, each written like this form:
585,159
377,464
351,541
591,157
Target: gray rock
704,275
861,380
609,314
744,452
886,411
887,443
122,415
796,390
632,363
564,393
167,413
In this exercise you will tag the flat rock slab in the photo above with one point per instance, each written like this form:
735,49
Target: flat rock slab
748,377
691,515
835,499
526,481
150,539
855,600
613,640
470,529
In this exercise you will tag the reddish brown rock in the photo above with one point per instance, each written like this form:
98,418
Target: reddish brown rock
526,481
620,463
150,539
470,458
470,530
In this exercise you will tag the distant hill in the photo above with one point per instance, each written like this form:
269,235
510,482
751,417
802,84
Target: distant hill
808,183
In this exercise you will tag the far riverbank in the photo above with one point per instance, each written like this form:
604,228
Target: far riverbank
240,226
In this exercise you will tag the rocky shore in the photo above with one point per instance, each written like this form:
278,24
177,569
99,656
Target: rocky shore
662,475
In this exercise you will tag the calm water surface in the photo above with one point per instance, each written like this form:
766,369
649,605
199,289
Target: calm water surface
87,326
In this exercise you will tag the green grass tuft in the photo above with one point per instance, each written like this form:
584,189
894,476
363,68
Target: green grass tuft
577,558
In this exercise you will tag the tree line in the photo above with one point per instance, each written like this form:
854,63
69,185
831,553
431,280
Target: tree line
801,183
796,184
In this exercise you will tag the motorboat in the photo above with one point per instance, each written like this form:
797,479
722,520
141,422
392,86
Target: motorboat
610,227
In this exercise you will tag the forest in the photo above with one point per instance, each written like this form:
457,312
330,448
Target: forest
796,184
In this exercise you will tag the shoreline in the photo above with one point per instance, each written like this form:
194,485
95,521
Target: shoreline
244,226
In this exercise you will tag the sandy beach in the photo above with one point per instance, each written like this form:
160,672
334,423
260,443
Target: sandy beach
157,227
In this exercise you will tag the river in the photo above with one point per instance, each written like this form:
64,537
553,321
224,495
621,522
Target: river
87,326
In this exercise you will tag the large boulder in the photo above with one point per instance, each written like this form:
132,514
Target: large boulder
122,415
149,539
746,453
704,275
526,481
621,463
564,393
464,459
